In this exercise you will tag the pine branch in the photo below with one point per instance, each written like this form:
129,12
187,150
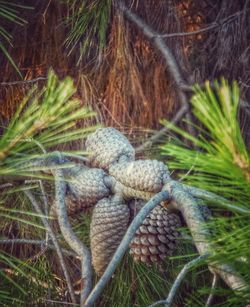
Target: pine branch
167,54
69,235
214,198
187,205
181,85
23,82
176,285
213,26
178,116
55,242
211,295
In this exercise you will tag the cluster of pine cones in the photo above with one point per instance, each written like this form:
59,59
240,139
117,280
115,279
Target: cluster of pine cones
111,154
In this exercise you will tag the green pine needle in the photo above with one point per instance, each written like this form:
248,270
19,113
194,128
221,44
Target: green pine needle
219,163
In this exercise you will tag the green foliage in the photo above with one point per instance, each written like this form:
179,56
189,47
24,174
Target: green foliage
9,14
44,119
47,118
219,163
136,284
88,22
23,280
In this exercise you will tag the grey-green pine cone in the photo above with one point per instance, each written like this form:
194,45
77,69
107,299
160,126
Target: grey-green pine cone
143,175
106,146
109,223
86,188
157,237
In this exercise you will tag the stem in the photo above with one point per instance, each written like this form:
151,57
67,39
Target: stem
181,276
167,54
55,242
211,295
214,198
155,137
169,300
69,235
186,204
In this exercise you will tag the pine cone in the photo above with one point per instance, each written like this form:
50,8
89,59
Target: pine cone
109,223
143,175
156,237
87,187
106,146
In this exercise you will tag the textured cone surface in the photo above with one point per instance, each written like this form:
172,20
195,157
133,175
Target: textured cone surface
86,188
143,175
106,146
157,237
109,223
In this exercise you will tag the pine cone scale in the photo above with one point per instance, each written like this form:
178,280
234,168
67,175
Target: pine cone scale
156,237
105,233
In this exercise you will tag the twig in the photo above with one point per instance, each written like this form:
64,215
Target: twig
211,295
69,235
44,197
45,245
23,82
37,242
169,300
55,242
137,221
212,26
157,303
6,185
214,198
172,65
187,205
45,11
178,116
53,302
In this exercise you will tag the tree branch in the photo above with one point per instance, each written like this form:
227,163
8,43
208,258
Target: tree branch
69,235
211,295
55,242
186,204
169,300
178,116
212,26
167,54
11,83
182,86
214,198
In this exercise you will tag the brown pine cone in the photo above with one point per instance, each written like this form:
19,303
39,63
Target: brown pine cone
157,237
109,223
